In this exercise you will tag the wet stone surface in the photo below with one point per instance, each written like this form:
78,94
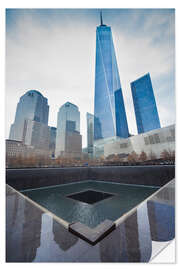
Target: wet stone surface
32,235
92,236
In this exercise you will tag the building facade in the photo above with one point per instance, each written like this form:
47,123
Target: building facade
154,141
73,145
52,140
146,113
68,138
36,134
16,149
90,133
109,110
32,106
99,145
31,121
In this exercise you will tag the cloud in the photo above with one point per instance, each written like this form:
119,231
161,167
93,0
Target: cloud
53,51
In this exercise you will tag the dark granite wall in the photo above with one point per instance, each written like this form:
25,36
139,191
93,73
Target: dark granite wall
40,177
141,175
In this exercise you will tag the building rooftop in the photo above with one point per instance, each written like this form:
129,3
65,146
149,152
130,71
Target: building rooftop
8,140
34,91
68,104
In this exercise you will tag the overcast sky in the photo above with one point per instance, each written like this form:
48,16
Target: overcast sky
53,51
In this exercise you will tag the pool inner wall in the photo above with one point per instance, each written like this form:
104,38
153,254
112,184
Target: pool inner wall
31,178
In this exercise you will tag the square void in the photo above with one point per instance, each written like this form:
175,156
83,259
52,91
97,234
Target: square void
90,196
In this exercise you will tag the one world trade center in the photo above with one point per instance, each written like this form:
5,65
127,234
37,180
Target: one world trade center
109,111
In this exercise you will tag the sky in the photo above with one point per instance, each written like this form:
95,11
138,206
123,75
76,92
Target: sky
53,51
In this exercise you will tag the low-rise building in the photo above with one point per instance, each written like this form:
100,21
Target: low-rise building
18,148
15,148
154,141
98,147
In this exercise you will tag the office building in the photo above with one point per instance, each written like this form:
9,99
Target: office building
146,113
109,110
36,134
73,145
31,121
52,141
90,133
32,106
68,138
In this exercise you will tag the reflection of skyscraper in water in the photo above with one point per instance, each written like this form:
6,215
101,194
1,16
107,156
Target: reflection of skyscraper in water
161,213
63,237
131,232
48,250
22,238
55,241
113,248
109,110
32,229
15,209
130,242
162,221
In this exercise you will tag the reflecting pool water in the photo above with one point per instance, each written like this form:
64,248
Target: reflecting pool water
61,201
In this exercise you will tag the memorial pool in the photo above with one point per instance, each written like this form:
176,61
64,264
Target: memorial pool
90,202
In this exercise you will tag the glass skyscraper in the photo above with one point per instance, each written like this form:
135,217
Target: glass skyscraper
32,107
52,140
90,133
68,136
147,117
36,134
109,110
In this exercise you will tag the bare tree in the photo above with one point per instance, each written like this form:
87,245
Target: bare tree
165,154
173,155
142,156
152,156
168,154
133,157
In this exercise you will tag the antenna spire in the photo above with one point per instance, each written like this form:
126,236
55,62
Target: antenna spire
101,17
